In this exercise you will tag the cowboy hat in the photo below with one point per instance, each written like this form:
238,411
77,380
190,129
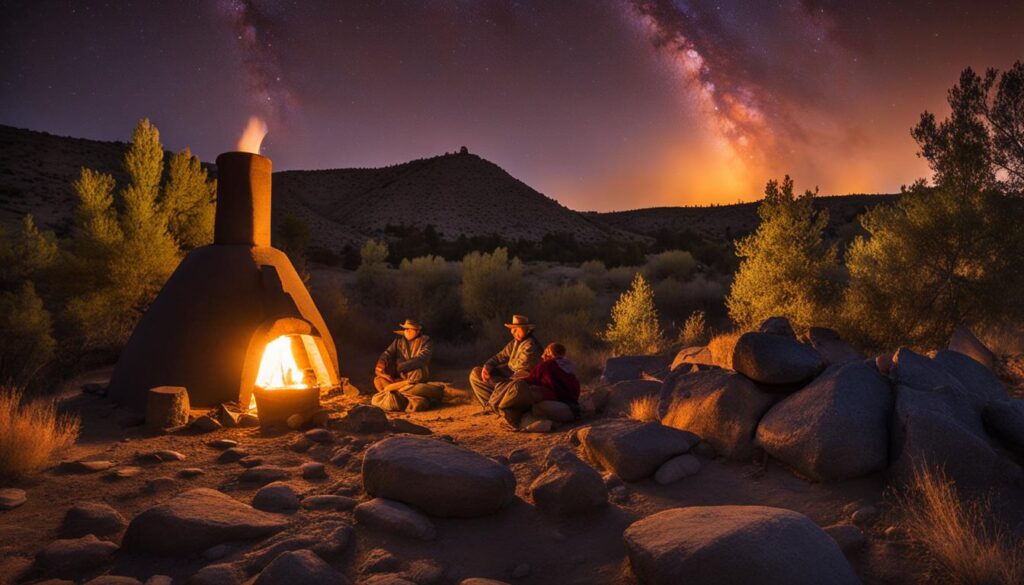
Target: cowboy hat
520,321
409,324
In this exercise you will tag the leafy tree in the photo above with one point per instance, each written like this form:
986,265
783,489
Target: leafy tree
27,343
492,286
981,145
187,201
634,327
28,256
787,267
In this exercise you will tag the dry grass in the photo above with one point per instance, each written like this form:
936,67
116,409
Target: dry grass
644,409
959,536
32,432
721,347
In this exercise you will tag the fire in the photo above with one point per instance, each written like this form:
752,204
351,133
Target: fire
278,368
253,135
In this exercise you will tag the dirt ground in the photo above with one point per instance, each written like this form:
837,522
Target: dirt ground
583,550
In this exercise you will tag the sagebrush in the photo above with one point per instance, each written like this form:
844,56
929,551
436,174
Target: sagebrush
32,433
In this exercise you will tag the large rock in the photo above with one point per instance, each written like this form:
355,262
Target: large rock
964,342
364,418
920,372
775,360
300,567
395,518
197,519
622,394
697,354
940,428
568,486
777,326
836,428
1005,422
725,545
831,347
69,557
634,450
92,518
720,406
633,367
437,477
975,378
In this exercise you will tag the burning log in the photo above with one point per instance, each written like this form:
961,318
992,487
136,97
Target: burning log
167,406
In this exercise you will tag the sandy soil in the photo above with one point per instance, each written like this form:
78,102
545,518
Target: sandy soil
582,550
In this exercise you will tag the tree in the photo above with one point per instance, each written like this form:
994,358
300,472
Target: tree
981,145
787,267
187,201
27,344
372,282
634,328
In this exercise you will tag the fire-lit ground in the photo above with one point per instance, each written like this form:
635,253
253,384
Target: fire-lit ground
588,549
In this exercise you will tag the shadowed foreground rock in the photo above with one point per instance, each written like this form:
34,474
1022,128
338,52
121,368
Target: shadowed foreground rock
726,545
720,406
437,477
194,521
300,567
568,486
633,367
836,428
91,518
634,450
775,360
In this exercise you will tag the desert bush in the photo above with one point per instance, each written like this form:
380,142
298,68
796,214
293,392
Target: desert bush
32,434
620,277
595,274
676,264
644,409
694,331
959,536
721,347
374,284
428,290
566,314
787,268
27,344
493,287
634,327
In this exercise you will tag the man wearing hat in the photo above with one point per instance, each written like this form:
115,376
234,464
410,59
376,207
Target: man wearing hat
491,383
401,374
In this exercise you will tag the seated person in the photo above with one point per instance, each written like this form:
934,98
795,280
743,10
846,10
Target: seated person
402,370
554,386
513,362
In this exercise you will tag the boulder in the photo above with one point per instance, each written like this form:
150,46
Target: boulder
634,450
1005,422
437,477
734,544
721,407
395,518
975,378
219,574
72,556
831,347
276,497
964,342
92,518
849,537
938,428
633,367
11,498
835,428
197,519
920,372
677,468
335,542
568,486
364,418
622,394
777,326
232,455
300,566
775,360
167,406
697,354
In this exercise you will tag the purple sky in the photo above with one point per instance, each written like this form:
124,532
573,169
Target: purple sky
602,104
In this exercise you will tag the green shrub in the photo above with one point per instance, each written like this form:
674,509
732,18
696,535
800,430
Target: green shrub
595,275
676,264
428,290
27,344
634,327
493,287
694,331
374,284
620,277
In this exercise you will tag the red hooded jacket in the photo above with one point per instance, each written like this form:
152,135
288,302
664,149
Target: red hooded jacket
556,380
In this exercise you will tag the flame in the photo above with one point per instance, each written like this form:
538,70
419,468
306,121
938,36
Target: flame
278,368
253,135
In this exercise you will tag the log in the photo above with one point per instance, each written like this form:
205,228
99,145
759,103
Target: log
167,406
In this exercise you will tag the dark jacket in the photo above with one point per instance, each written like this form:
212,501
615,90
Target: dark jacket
407,356
518,356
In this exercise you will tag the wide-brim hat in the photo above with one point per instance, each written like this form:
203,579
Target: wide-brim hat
520,321
409,324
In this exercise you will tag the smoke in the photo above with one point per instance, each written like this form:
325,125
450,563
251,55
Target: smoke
253,30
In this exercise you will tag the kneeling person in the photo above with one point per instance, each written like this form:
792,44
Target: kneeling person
401,374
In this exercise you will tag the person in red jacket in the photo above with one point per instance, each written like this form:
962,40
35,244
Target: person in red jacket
555,388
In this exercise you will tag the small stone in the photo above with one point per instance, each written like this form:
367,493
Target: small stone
295,422
502,459
84,466
521,571
336,542
340,456
168,455
329,502
250,461
301,444
300,566
248,420
619,494
223,444
320,435
263,557
424,572
113,580
847,536
215,552
93,518
395,518
124,472
539,426
161,484
205,424
276,497
11,498
891,531
379,560
69,557
403,426
518,456
231,455
363,418
263,474
864,516
676,469
313,470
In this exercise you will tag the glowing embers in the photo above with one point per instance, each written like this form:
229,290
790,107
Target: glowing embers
291,374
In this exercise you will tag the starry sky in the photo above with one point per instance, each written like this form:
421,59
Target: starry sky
601,104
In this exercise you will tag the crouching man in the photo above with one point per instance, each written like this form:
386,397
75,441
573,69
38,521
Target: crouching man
493,384
401,374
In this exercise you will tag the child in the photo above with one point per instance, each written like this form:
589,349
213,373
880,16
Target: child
556,389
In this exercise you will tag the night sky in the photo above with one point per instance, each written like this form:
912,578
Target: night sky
601,104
